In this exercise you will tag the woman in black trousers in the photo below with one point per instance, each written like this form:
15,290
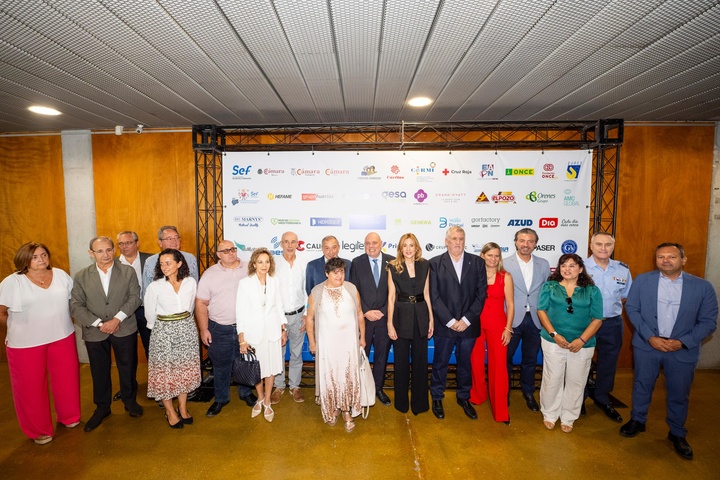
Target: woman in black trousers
410,323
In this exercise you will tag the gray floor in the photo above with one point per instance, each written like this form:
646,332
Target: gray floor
386,445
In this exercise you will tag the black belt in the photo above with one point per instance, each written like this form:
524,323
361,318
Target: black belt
296,311
410,298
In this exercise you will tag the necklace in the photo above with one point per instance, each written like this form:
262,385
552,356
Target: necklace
40,279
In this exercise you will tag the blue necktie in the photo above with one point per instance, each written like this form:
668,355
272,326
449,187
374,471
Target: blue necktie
376,271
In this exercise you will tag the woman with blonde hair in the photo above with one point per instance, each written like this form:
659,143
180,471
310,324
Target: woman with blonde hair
410,323
495,332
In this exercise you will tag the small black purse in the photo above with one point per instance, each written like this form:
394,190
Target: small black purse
246,369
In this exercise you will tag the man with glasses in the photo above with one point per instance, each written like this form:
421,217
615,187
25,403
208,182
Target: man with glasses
105,296
215,315
290,271
168,237
529,272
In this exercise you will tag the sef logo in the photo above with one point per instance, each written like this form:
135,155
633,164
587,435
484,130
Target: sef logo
238,170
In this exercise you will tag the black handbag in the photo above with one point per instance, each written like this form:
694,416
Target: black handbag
246,369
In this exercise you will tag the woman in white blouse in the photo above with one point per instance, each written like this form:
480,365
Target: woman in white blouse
34,305
174,360
261,324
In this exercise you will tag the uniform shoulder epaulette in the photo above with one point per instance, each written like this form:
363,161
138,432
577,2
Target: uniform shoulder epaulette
624,264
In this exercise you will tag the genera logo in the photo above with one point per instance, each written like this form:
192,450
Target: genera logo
548,171
545,248
521,172
548,223
420,222
520,222
279,196
482,198
325,222
539,197
330,171
573,170
504,197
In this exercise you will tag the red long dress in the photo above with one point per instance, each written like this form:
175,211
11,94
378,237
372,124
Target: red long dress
492,323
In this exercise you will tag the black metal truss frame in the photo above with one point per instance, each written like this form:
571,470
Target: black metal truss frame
210,142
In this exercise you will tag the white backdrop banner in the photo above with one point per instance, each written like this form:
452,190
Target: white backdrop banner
348,194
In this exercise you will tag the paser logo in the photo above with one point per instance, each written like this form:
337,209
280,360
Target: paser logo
548,223
545,248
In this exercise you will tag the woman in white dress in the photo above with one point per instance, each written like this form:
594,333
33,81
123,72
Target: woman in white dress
174,360
336,331
261,324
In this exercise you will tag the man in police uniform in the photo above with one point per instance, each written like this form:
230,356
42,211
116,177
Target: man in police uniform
613,279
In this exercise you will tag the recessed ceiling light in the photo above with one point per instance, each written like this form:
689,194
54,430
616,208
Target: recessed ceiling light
419,102
43,110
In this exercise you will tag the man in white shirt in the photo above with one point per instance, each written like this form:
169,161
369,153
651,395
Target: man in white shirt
290,271
168,237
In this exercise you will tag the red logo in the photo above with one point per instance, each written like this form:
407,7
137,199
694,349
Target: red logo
309,197
445,172
301,246
548,167
548,223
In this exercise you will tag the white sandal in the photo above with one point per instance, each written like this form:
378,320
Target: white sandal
257,408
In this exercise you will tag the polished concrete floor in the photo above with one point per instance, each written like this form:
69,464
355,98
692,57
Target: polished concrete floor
386,445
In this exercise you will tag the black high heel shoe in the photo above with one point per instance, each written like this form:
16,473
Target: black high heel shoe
179,423
186,421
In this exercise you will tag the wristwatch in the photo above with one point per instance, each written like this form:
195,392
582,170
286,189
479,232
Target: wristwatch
552,334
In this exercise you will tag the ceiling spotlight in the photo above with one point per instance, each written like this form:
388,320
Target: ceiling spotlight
419,102
118,129
139,128
43,110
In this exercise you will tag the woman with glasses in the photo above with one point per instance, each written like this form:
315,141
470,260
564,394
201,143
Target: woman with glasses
571,312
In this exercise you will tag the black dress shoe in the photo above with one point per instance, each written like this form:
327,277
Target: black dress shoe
186,421
531,403
468,409
178,424
609,411
682,447
250,400
96,419
382,396
215,408
583,411
117,396
437,409
134,409
632,428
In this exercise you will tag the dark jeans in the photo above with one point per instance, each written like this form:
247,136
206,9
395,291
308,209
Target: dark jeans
443,350
222,352
530,336
125,349
609,341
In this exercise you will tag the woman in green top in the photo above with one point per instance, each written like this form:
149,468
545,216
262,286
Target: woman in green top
571,312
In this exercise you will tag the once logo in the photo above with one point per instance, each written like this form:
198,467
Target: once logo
548,223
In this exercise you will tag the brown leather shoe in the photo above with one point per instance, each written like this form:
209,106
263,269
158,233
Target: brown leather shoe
275,396
297,395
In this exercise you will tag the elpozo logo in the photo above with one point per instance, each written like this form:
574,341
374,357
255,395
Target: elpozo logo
504,197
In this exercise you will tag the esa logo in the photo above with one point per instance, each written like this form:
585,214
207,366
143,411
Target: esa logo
520,222
237,170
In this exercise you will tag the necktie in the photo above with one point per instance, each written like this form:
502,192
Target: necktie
376,271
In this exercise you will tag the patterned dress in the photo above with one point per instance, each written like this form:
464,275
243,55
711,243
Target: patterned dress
337,351
174,359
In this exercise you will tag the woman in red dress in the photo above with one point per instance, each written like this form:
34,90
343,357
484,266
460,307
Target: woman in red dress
495,331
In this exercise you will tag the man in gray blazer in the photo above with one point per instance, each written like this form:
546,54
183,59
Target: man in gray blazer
105,296
529,272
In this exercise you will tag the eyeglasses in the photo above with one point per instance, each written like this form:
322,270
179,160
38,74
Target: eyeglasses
126,244
106,251
569,308
228,250
170,239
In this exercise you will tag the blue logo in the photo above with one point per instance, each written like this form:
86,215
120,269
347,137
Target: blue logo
520,222
568,246
367,222
325,222
238,170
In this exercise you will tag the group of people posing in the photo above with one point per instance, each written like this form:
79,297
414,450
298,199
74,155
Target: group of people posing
481,308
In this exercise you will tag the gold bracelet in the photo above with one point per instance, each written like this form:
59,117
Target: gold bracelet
243,343
509,330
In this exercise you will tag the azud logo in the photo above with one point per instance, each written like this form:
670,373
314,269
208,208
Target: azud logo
520,222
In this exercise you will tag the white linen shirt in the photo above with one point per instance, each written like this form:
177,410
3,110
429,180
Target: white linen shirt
161,299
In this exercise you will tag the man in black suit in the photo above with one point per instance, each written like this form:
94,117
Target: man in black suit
458,284
369,275
315,272
105,296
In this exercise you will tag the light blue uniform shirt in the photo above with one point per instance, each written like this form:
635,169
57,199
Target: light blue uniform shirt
614,284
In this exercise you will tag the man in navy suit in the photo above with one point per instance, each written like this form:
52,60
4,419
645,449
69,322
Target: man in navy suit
672,312
369,275
458,286
315,272
529,272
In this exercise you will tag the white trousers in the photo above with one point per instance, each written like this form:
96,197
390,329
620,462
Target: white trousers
563,382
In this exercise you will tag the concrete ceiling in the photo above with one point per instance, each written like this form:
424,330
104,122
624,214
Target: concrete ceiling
176,63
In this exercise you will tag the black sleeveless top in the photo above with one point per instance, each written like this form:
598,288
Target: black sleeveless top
408,314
